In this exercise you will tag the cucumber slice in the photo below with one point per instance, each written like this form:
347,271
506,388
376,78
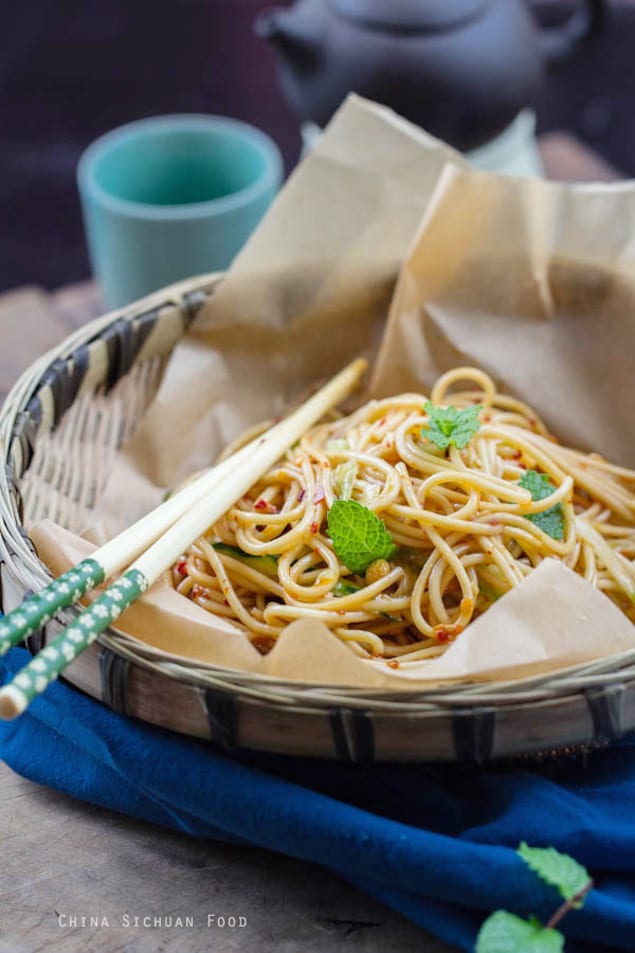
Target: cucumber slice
345,588
267,565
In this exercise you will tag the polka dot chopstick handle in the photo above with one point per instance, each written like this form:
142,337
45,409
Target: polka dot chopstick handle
230,479
39,608
38,674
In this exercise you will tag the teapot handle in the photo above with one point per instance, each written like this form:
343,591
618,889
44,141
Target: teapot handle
561,41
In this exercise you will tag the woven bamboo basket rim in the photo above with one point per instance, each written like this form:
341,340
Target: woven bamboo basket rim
117,358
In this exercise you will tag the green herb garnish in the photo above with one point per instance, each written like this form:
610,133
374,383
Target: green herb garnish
561,871
504,932
449,426
268,565
550,521
359,536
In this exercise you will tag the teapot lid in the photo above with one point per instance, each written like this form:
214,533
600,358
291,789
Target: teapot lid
408,16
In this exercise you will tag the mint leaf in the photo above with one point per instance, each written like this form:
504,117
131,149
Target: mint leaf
506,933
538,484
551,521
359,536
449,426
559,870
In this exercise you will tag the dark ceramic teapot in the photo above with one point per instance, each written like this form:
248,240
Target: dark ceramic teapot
462,69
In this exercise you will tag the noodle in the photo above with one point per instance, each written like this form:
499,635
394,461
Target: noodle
458,517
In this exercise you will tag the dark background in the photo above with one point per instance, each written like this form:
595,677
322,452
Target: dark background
71,70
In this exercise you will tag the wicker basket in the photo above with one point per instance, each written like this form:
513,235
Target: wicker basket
61,426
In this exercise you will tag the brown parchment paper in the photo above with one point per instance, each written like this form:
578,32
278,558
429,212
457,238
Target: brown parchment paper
534,282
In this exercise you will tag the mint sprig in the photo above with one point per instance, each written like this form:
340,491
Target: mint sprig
550,521
359,536
448,426
561,871
504,932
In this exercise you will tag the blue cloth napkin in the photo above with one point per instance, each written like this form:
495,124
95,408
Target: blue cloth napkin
436,843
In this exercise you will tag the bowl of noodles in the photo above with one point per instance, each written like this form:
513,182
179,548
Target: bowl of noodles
466,499
400,524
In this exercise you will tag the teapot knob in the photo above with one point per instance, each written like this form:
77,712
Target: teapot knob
266,25
290,38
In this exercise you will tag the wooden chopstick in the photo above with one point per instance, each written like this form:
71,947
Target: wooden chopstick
113,556
203,511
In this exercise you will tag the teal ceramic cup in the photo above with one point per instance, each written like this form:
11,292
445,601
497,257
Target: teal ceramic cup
170,197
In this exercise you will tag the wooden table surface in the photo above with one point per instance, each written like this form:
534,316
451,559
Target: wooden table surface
61,858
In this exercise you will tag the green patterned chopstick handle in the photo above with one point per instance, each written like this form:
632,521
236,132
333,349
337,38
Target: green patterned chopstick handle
42,606
38,674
